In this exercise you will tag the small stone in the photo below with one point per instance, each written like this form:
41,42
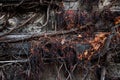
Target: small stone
80,48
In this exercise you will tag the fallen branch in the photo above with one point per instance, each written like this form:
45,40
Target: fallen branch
28,37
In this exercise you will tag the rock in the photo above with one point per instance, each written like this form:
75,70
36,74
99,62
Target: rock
13,22
80,48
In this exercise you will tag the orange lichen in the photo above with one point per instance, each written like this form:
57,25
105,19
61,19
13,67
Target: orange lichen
98,41
117,20
96,44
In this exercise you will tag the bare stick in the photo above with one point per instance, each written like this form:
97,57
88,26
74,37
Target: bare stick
84,78
74,67
59,71
6,65
15,61
103,72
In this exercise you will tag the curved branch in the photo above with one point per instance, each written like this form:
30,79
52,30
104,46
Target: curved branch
13,29
48,11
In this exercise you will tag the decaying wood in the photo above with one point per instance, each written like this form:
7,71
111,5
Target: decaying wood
47,48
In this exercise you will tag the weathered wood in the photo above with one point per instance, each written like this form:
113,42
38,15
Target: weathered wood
15,38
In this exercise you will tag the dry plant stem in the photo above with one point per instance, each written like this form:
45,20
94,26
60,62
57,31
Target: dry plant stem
21,2
67,70
74,67
13,29
48,14
6,65
15,61
53,58
103,72
2,76
58,76
85,77
29,71
48,11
